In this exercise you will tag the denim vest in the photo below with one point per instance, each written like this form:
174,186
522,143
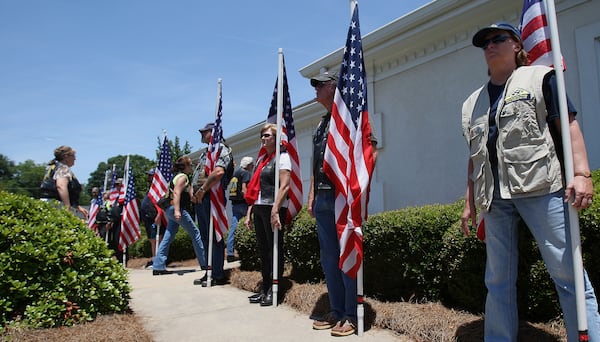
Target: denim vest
527,161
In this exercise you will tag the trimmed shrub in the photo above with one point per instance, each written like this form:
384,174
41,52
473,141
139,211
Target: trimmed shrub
180,249
245,244
55,271
302,248
401,252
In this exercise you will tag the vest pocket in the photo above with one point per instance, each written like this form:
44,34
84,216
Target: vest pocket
527,168
478,140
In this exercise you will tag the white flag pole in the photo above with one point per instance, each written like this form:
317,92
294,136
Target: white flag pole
103,204
157,243
211,225
569,170
125,183
106,236
360,310
275,287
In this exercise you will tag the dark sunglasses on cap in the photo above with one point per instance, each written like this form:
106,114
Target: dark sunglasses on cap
501,38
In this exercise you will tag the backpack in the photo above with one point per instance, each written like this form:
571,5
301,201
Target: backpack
48,185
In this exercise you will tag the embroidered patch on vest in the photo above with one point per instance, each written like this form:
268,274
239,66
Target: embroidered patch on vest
518,95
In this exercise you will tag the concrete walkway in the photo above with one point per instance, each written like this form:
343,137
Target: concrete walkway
172,308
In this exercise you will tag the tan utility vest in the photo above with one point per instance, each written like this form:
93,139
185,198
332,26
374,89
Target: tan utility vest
527,161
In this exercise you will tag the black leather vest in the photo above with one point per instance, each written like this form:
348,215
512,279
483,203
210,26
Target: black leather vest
319,145
267,183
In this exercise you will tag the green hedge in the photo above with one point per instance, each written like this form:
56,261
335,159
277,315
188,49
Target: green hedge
181,248
55,271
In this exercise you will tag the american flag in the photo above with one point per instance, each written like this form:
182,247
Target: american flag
162,174
113,195
348,161
130,218
94,208
536,33
288,139
217,195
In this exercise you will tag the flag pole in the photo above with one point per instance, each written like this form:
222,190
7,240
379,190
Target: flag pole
158,226
103,192
275,288
573,217
211,225
360,310
125,183
106,236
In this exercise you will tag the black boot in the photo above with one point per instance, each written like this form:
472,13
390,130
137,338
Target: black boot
267,299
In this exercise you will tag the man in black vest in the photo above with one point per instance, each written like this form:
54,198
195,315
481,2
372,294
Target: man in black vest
237,188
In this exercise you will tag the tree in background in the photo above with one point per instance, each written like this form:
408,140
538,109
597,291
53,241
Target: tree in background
23,178
176,150
139,164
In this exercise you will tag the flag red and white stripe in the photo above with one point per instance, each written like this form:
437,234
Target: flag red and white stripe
536,33
162,174
94,209
348,161
288,139
130,217
217,195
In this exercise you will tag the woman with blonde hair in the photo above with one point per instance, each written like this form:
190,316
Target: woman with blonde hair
60,182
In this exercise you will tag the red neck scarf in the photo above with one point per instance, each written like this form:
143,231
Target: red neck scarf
254,185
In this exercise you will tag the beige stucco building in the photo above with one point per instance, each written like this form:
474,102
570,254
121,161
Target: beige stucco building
420,68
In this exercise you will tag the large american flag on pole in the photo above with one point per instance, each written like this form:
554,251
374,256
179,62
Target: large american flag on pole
288,138
162,174
536,33
130,217
348,161
217,196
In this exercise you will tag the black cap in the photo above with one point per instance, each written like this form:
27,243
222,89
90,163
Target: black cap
208,127
479,37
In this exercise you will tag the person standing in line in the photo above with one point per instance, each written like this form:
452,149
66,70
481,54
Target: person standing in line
178,213
149,213
269,211
114,225
202,183
341,288
237,189
512,127
66,188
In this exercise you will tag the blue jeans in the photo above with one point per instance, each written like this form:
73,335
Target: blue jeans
218,248
187,223
238,210
341,288
545,218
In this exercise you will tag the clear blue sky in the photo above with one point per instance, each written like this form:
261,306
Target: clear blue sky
107,76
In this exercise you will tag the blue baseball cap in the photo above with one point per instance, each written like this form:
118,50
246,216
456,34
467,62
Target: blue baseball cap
479,37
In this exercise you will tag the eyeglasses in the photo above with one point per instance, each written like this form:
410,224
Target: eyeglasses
501,38
321,84
266,135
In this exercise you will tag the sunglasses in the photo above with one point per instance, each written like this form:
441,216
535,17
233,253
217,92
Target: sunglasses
501,38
